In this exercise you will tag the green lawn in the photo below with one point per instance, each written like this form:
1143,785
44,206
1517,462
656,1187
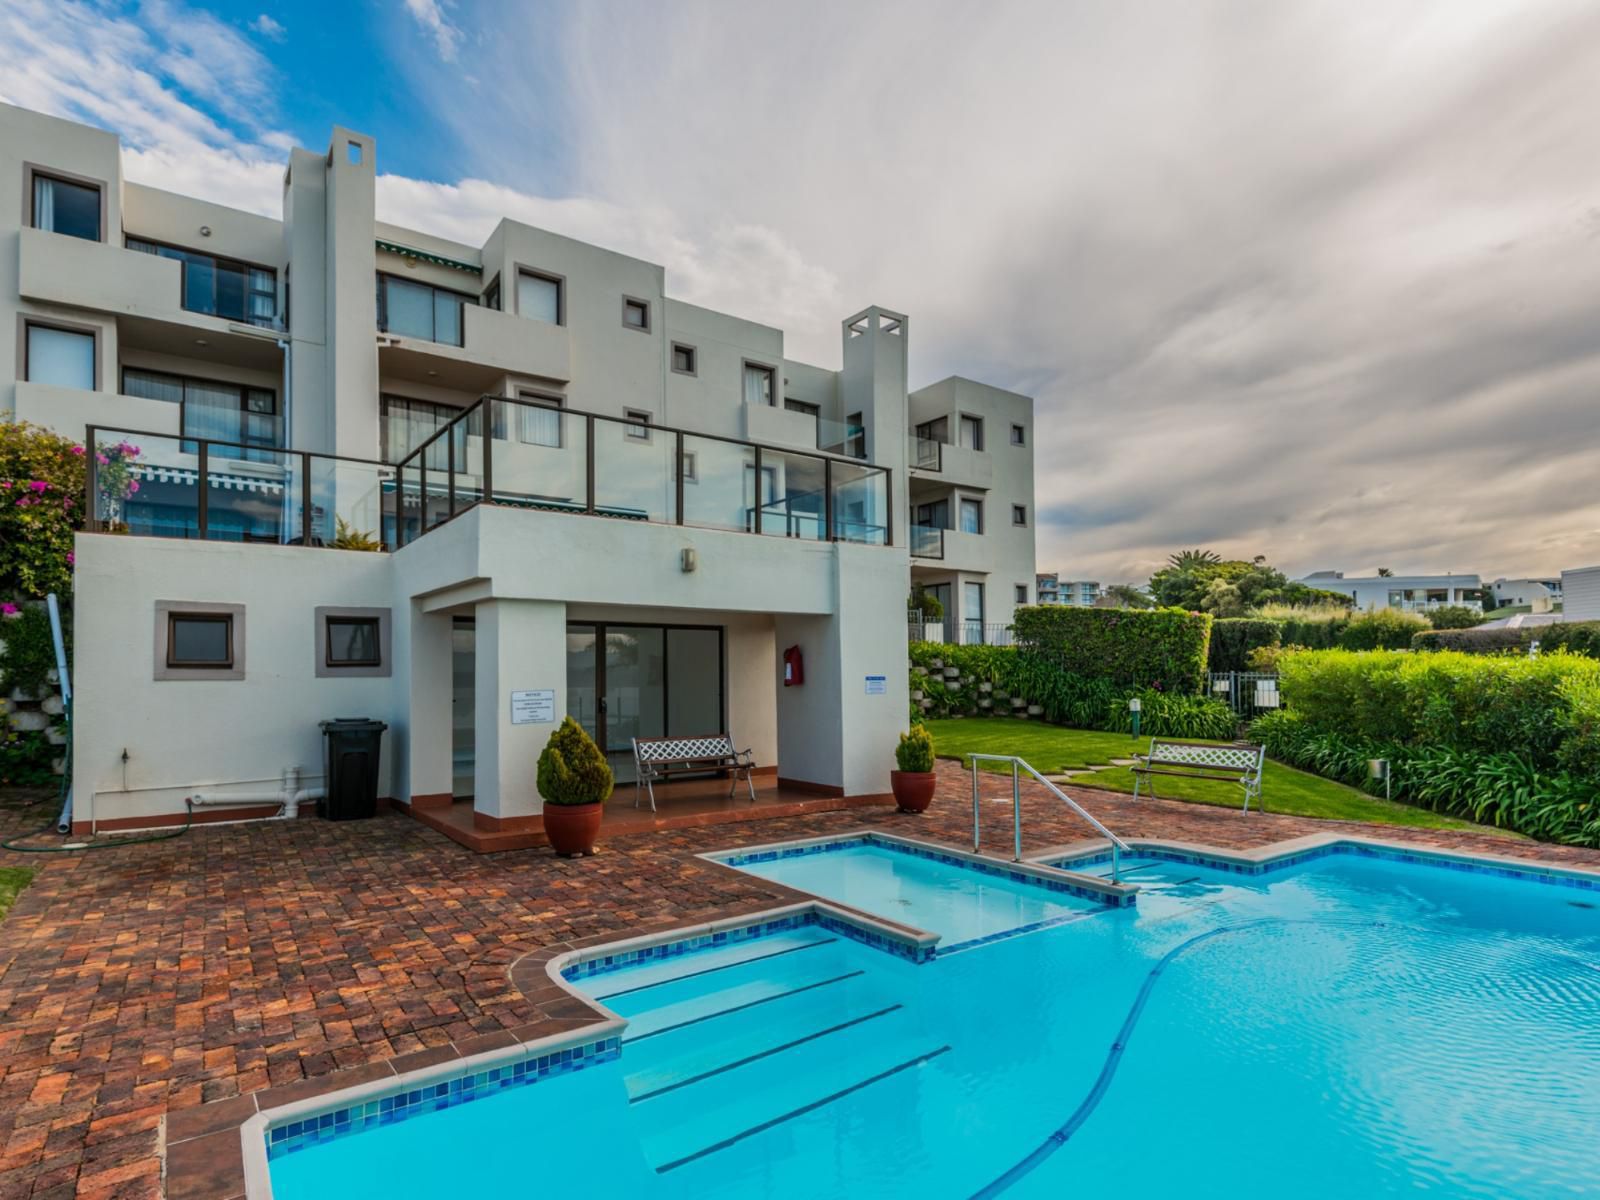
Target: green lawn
1284,789
12,881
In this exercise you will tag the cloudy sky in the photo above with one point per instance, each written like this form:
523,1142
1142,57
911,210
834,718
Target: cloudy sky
1319,281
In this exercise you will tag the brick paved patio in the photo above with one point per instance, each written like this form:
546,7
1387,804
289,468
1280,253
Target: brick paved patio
140,983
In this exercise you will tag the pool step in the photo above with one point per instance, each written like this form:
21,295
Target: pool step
651,975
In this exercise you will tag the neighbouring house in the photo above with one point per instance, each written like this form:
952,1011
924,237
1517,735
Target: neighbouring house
1053,589
580,496
1410,593
971,498
1536,595
1580,592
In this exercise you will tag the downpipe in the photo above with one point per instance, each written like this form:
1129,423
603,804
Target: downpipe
289,797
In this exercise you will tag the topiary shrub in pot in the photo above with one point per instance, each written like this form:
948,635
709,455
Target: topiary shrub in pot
913,783
575,781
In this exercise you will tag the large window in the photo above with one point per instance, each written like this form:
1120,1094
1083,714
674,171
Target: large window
404,424
971,516
61,206
972,610
220,287
419,310
972,433
759,384
539,297
539,421
62,357
219,412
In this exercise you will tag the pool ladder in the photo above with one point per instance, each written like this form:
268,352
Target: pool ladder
1019,765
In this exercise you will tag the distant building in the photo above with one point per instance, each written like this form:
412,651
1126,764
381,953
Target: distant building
1052,589
1580,589
1536,595
1410,593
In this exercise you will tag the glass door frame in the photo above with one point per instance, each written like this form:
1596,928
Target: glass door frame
598,629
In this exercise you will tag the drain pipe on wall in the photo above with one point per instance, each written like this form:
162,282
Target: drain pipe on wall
289,797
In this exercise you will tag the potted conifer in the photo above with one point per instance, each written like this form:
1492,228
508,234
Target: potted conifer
575,781
914,782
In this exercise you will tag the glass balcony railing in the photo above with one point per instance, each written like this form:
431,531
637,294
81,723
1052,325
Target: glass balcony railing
927,541
927,453
549,459
156,486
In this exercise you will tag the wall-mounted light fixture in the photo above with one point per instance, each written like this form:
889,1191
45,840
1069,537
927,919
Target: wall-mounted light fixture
688,560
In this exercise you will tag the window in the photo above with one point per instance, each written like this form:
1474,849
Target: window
352,642
935,515
636,314
539,422
539,297
62,357
759,384
404,424
220,287
1019,514
1021,593
419,310
684,359
199,640
855,436
491,295
937,430
691,473
971,516
972,605
801,406
1019,435
972,433
60,206
638,424
216,411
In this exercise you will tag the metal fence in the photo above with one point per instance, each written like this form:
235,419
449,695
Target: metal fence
959,633
1248,693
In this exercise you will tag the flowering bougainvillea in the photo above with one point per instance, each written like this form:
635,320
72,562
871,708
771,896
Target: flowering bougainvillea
41,507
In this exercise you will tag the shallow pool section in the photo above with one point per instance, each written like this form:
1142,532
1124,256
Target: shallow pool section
966,903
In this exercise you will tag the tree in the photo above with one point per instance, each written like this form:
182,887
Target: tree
1223,599
1189,579
1385,573
1192,560
1125,595
41,506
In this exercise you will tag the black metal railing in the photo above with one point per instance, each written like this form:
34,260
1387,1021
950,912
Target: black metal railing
548,458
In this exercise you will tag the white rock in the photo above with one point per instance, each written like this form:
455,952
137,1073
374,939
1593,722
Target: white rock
29,721
53,706
56,736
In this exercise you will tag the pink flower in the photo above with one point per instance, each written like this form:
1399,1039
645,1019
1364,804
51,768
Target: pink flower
101,459
71,558
39,485
78,450
133,486
10,610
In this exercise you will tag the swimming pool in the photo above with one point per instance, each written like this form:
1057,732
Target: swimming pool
1351,1023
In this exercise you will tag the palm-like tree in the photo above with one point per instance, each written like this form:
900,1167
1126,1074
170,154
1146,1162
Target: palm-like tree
1188,560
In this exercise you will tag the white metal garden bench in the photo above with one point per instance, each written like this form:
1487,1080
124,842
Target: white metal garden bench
1240,763
657,758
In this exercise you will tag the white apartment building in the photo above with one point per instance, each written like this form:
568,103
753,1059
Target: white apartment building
578,495
1052,589
1539,595
1410,593
971,505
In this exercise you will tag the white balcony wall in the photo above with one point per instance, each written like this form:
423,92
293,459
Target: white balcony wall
70,410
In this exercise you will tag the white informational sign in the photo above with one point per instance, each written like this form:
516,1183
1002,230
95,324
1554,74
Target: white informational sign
877,685
533,708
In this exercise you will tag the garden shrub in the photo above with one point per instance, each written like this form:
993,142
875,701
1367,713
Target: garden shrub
1315,627
915,751
1166,715
1234,639
41,506
1164,648
571,768
27,650
26,758
1575,637
1454,616
1501,640
1382,629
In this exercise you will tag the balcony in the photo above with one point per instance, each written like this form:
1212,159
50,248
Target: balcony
539,458
949,549
493,344
950,464
74,408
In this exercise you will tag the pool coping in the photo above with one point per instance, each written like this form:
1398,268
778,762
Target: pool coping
201,1160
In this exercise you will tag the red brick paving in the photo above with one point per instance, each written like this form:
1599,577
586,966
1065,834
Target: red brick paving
141,982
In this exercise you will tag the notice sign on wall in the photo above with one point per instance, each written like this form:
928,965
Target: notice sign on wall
877,685
533,708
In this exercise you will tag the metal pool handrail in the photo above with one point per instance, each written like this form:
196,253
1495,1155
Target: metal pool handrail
1117,844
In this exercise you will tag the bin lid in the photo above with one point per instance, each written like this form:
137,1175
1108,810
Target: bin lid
351,725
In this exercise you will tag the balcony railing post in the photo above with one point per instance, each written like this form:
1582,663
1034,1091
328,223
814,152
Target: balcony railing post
422,490
758,504
450,466
305,498
588,469
827,498
91,501
678,471
204,481
488,453
888,500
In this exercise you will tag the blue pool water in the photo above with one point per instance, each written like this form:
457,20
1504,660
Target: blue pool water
1349,1027
959,904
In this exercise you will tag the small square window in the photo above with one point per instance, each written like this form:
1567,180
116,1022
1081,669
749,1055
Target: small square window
1019,514
1022,593
62,206
636,314
684,359
638,424
1019,435
353,642
690,467
201,641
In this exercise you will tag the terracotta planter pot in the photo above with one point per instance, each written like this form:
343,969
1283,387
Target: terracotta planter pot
572,828
913,790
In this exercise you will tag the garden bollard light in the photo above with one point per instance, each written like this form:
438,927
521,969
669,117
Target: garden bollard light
1133,709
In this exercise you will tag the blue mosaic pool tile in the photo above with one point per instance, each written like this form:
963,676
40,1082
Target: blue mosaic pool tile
296,1135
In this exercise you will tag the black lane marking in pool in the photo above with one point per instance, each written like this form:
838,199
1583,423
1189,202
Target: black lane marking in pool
800,1041
801,1111
643,987
1114,1057
722,1012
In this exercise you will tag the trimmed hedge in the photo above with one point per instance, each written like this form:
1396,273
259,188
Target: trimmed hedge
1382,629
1233,638
1165,649
1575,637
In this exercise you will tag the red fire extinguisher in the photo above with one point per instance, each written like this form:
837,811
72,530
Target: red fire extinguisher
794,667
